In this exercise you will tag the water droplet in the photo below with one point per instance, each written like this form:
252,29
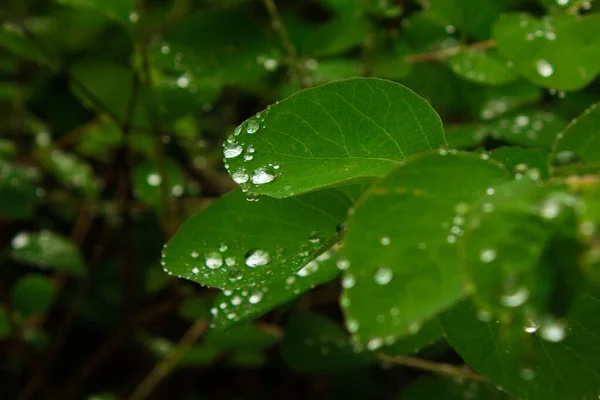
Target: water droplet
223,247
484,316
255,297
490,191
213,260
515,299
183,81
522,120
257,258
414,327
374,344
348,281
20,241
235,274
308,269
236,300
261,176
134,17
352,325
487,255
544,68
553,331
270,64
252,126
383,275
343,264
385,241
195,271
527,374
240,176
154,179
314,237
233,149
566,157
550,209
195,254
531,327
230,261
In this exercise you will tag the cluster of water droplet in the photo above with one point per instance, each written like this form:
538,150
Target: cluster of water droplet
528,125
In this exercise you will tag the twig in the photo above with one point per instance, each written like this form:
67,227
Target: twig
438,368
447,53
164,368
290,49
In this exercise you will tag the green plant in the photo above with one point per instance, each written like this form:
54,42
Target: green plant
467,251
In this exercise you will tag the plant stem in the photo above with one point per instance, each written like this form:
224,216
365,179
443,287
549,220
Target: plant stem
164,368
438,368
447,53
280,28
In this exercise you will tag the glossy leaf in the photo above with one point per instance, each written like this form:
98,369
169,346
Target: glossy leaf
400,246
345,130
580,142
47,250
526,365
316,344
233,306
241,244
557,52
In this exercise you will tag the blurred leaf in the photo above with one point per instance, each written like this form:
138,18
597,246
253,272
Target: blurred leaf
466,136
482,67
494,101
346,130
524,162
194,308
72,172
580,142
237,305
241,337
427,335
47,250
241,244
430,387
399,276
556,52
564,365
147,181
18,192
315,344
538,129
13,38
336,36
120,10
31,294
5,324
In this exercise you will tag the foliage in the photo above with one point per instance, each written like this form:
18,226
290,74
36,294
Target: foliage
359,199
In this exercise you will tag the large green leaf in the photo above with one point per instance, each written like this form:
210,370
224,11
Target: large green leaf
240,244
400,248
47,250
315,344
120,10
522,362
352,129
558,52
237,305
581,140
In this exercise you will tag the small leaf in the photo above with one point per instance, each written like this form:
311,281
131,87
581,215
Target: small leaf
345,130
400,248
241,244
580,142
430,387
557,52
427,335
537,129
482,67
47,250
18,193
32,294
517,358
13,38
530,163
315,344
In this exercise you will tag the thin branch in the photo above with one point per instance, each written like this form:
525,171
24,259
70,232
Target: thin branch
290,49
164,368
437,368
447,53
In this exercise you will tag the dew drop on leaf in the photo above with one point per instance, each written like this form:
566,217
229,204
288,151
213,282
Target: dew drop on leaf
255,297
487,255
261,176
553,331
231,150
252,126
383,275
240,176
257,258
544,68
213,260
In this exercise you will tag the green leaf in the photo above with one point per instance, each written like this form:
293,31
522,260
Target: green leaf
556,52
353,129
32,294
400,246
241,337
473,21
431,387
147,181
122,11
522,362
337,35
194,308
495,101
14,39
240,244
18,192
237,305
580,142
524,162
315,344
47,250
482,67
72,172
465,136
529,129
